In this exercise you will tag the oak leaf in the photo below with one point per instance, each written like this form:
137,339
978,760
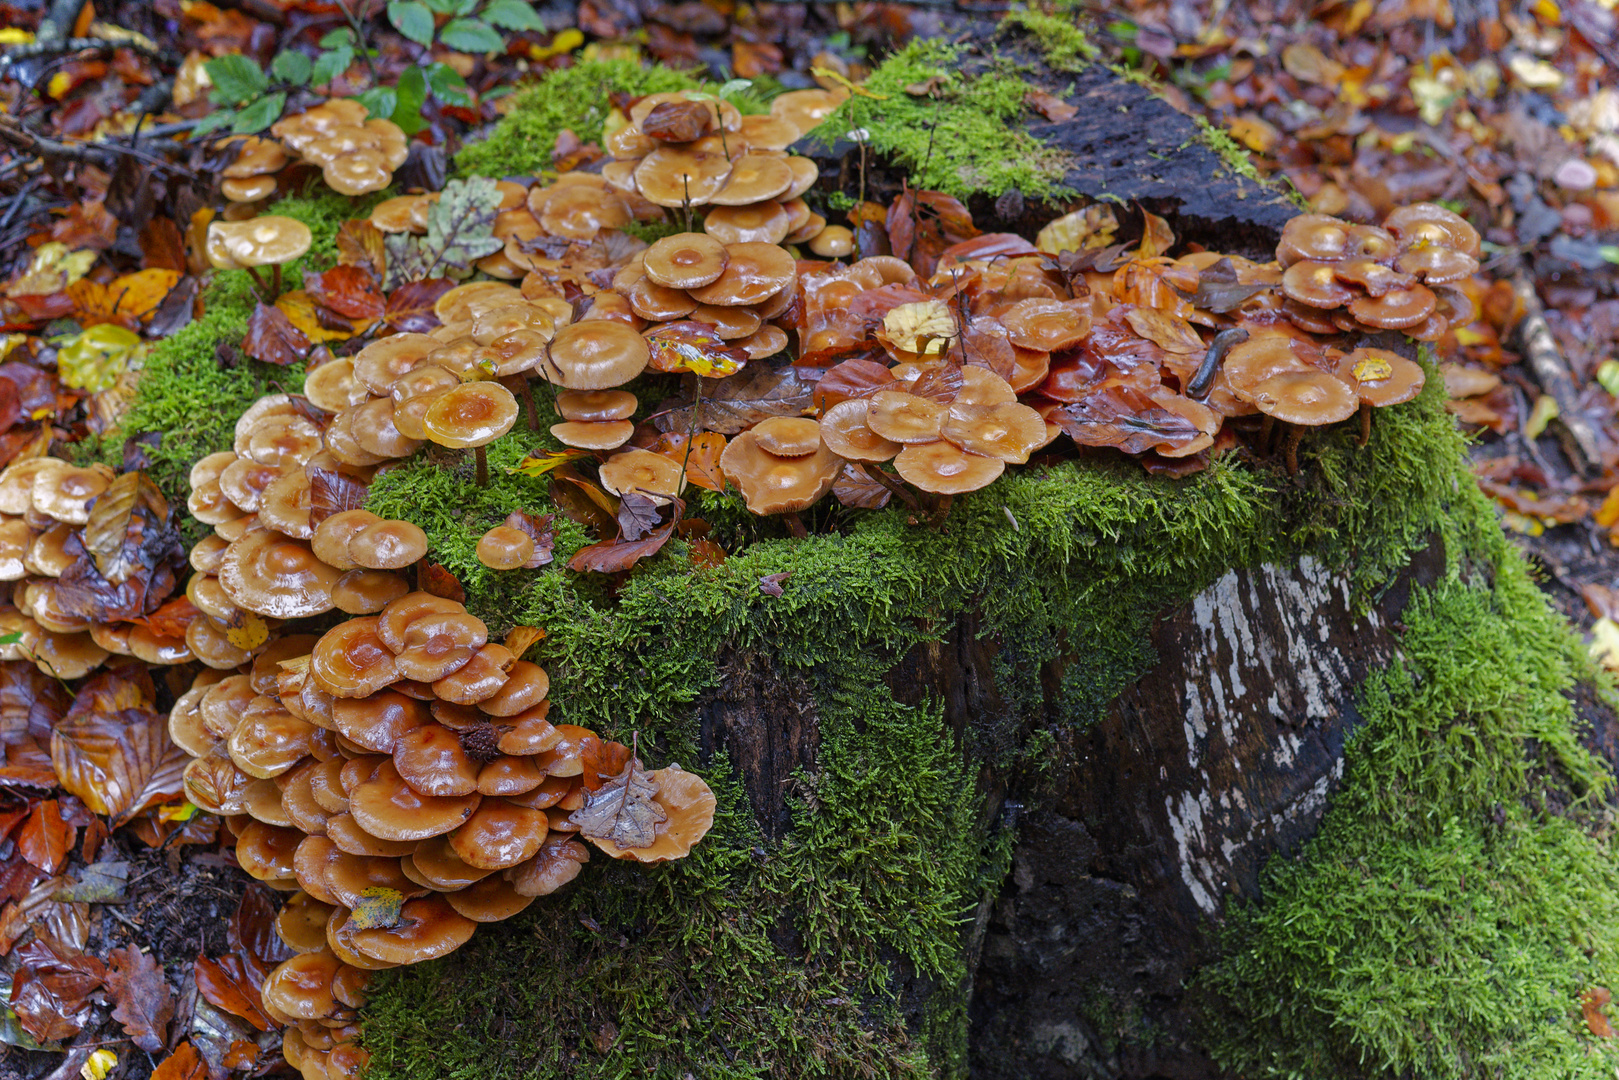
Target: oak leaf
273,338
143,1002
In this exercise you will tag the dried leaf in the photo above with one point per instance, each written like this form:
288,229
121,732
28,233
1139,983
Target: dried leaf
695,347
677,121
350,291
637,515
622,810
1592,1002
540,528
706,554
613,556
332,492
520,639
432,577
378,908
540,462
1168,332
162,246
737,403
119,760
305,314
410,307
143,1002
359,243
1157,237
46,837
184,1064
227,985
1050,106
1219,291
585,501
272,337
459,227
131,503
770,584
702,461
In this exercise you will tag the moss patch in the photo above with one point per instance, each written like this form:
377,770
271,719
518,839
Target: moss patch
968,139
1058,37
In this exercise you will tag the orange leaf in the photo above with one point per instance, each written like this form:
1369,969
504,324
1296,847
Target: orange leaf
226,985
184,1064
350,291
703,463
432,577
520,639
305,314
1591,1004
171,619
45,838
113,751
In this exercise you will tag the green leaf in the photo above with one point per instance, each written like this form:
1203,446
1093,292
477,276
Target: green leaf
378,908
512,15
292,67
214,121
413,19
343,35
329,65
460,226
1608,376
380,101
259,115
236,79
448,85
412,91
452,7
471,36
734,86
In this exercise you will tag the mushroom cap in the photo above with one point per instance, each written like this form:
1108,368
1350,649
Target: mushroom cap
479,678
431,759
389,809
846,433
596,406
833,242
330,541
377,722
654,475
672,177
1395,309
428,928
435,865
500,834
262,241
580,211
366,592
247,189
1308,397
1316,284
17,482
437,644
1435,224
284,505
685,260
805,109
1313,237
605,435
494,899
265,851
767,341
1380,377
778,485
688,805
525,687
472,414
1046,325
395,621
333,386
398,214
301,922
754,273
904,418
505,548
1007,431
390,544
255,156
380,364
946,469
763,223
350,660
277,576
596,355
754,178
1436,264
1375,277
788,436
63,492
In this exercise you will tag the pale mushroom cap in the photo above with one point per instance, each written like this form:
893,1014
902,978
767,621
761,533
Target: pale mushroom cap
945,469
788,436
685,260
688,804
778,485
833,242
596,406
754,273
596,355
642,471
904,418
505,548
262,241
472,414
588,435
765,223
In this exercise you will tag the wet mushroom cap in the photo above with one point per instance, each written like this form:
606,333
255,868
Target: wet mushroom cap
764,223
388,545
673,178
654,475
596,406
1435,224
1313,237
754,273
685,260
754,178
596,355
788,436
1380,377
1316,284
587,435
351,661
1395,309
946,469
1311,398
428,928
833,242
262,241
505,548
904,418
1007,431
778,485
846,433
274,575
472,414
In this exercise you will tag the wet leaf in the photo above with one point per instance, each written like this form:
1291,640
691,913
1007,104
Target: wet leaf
131,497
637,515
614,556
162,245
227,985
734,404
359,243
272,337
702,460
520,639
113,751
1050,106
677,121
459,229
1592,1002
49,991
300,308
331,492
694,347
184,1064
1168,332
350,291
1219,291
378,908
540,462
432,577
622,810
142,1000
52,269
46,837
410,307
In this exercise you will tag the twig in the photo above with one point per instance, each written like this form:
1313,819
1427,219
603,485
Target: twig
101,154
359,41
1546,361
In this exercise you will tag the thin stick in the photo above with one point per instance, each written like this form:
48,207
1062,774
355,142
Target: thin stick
1546,361
877,473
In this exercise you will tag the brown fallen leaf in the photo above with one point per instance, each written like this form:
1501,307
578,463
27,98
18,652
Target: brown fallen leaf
410,307
541,530
332,492
272,337
143,1001
1050,106
46,837
432,577
226,984
613,556
350,291
359,243
184,1064
50,990
1592,1002
770,584
117,756
622,809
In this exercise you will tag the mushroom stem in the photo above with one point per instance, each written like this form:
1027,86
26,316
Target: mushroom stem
275,283
942,510
1267,429
1290,447
528,404
263,288
876,472
795,525
483,466
1365,423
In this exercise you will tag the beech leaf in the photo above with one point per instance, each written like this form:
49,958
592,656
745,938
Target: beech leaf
349,290
143,1002
410,306
360,243
637,515
116,756
107,534
226,984
272,337
734,404
622,810
184,1064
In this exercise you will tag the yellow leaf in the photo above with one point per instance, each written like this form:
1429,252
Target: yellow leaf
1522,523
1605,643
1466,335
250,634
1090,227
1371,369
52,269
520,639
299,307
1607,515
378,908
843,81
565,42
140,293
1544,412
1534,74
1254,132
94,360
543,461
181,812
99,1066
1547,12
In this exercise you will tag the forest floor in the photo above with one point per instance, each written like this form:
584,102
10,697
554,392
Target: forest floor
1509,117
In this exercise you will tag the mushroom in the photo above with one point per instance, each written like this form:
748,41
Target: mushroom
428,928
658,477
688,805
754,272
274,575
261,241
778,484
473,415
833,242
595,355
1379,378
685,261
505,548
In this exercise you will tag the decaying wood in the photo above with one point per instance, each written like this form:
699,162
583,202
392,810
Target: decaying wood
1545,359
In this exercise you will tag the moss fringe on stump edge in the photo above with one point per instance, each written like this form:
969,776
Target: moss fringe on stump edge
1459,894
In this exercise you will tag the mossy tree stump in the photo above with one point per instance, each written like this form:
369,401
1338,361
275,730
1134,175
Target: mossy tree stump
1111,776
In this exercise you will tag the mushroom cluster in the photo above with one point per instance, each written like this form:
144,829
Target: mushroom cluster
269,240
399,776
78,592
1363,278
251,177
356,155
687,153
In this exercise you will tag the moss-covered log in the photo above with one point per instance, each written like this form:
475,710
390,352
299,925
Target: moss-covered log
1112,775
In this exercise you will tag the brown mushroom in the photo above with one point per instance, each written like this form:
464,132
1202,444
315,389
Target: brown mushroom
351,661
273,575
688,805
472,415
1396,309
595,355
656,476
1379,378
262,241
753,273
773,484
764,223
945,469
685,261
428,928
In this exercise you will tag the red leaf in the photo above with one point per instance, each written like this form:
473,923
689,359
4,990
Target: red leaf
431,577
162,246
332,492
49,990
88,225
144,1004
272,338
1050,106
251,933
614,556
410,307
350,291
227,985
359,243
902,224
45,839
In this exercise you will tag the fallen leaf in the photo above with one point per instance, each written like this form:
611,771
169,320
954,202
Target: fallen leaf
184,1064
378,909
305,314
52,269
332,492
359,243
142,1000
540,528
46,837
613,556
131,500
272,337
1168,332
622,810
637,515
350,291
540,462
702,459
162,245
49,990
1050,106
118,760
770,584
410,307
737,403
227,985
520,639
1591,1005
432,577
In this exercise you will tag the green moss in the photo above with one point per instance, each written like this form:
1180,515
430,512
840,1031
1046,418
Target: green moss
968,139
1060,40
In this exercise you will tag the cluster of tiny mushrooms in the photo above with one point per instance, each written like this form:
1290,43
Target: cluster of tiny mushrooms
395,771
